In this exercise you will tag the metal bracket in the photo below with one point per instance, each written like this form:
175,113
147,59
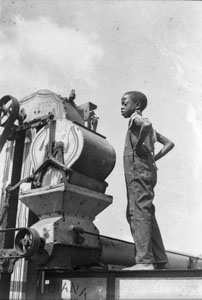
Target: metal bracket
49,155
42,121
8,258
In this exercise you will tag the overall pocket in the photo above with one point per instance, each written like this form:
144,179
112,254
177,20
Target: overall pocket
144,168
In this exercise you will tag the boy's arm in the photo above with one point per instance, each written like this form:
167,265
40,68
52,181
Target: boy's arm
167,146
145,125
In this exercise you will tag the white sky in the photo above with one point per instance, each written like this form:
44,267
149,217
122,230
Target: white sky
103,49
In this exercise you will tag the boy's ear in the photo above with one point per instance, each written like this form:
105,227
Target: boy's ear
137,105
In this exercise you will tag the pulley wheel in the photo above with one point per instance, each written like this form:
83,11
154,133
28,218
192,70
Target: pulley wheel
27,242
9,108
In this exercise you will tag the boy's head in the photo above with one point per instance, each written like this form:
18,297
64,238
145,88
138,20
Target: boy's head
131,102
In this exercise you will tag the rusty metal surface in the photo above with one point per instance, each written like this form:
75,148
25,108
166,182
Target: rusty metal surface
117,252
98,157
62,247
90,183
44,101
72,146
65,198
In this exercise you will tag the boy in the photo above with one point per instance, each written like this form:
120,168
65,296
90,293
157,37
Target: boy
141,176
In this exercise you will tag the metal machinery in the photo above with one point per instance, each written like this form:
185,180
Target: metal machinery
56,164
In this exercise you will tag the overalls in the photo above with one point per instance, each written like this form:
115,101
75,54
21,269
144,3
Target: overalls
141,176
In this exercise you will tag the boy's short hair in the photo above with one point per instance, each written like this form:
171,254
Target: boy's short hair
138,96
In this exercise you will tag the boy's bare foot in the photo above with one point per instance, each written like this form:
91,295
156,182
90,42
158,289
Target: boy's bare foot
140,267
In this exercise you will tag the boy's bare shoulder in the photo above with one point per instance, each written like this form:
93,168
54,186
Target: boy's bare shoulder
138,119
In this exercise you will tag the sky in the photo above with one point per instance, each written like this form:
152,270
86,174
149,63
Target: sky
103,49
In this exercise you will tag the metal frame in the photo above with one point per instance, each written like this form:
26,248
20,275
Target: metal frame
12,210
111,277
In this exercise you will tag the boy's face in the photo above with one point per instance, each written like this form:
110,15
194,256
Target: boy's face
128,106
